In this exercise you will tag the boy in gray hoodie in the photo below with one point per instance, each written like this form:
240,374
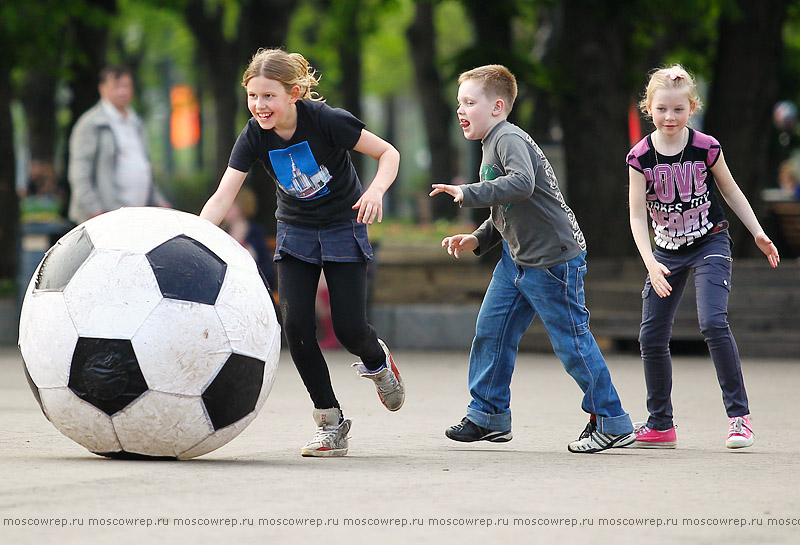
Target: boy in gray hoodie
540,272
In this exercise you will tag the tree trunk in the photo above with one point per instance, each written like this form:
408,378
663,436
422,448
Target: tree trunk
349,49
437,111
92,41
390,135
550,33
9,203
594,115
493,33
255,35
40,88
223,61
744,90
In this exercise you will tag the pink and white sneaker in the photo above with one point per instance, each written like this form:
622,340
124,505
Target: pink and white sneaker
740,432
647,437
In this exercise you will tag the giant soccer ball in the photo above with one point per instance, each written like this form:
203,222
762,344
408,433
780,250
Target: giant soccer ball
148,332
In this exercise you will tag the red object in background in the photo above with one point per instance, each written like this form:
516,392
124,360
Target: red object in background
327,338
634,123
184,120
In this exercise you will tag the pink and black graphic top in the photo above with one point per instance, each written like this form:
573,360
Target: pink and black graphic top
681,191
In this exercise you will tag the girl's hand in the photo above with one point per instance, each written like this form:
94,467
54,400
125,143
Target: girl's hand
658,274
455,191
765,245
370,206
460,243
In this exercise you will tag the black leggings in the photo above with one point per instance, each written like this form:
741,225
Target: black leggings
347,286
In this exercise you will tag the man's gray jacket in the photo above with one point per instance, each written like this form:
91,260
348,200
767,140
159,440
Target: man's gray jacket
93,153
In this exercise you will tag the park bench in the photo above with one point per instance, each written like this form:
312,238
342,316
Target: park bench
424,282
787,219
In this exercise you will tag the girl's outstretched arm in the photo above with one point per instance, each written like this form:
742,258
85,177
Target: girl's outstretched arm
370,204
220,202
641,234
738,202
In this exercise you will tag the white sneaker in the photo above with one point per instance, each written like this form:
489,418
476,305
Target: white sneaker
592,440
331,436
387,381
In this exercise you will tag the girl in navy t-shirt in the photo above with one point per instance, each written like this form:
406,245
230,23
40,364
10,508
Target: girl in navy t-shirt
676,174
322,214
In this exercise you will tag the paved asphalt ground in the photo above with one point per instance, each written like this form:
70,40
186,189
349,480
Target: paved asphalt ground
404,482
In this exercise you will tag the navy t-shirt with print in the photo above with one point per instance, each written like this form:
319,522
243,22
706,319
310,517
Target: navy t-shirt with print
317,184
681,191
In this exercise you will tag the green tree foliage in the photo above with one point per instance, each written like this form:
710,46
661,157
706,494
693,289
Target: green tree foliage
580,65
35,54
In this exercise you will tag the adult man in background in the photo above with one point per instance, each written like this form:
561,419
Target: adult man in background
109,166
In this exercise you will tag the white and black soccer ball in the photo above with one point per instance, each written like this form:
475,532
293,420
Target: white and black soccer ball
148,332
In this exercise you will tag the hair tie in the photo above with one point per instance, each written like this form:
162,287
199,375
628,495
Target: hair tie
676,72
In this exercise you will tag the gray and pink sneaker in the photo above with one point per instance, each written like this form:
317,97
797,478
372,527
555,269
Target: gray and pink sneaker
330,438
740,432
387,381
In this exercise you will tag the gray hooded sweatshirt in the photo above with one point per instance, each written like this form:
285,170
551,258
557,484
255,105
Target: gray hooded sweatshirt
528,210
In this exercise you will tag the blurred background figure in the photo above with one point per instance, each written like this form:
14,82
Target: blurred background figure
325,335
109,166
789,178
42,198
240,225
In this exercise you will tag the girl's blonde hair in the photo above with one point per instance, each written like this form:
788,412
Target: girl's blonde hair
290,69
672,77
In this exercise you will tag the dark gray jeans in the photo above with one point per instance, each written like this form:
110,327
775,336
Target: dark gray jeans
709,261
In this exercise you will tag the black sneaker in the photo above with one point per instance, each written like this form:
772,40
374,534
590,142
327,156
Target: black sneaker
467,432
592,440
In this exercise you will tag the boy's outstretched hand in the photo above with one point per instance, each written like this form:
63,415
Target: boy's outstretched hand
460,243
453,190
765,245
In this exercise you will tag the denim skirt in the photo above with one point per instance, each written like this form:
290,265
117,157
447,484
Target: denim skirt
346,241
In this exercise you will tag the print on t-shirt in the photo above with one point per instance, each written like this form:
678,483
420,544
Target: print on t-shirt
298,172
679,201
492,172
680,190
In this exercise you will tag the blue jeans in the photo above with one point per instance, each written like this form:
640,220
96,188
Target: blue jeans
516,295
710,263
